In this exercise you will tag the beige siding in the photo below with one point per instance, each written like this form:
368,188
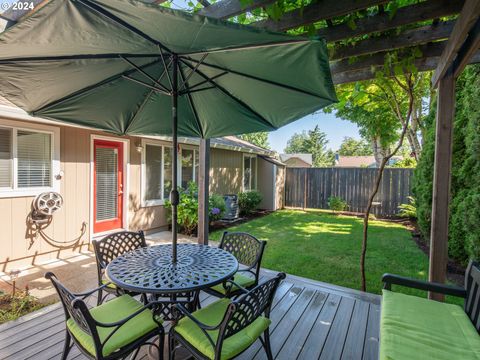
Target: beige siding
225,171
280,187
19,246
265,184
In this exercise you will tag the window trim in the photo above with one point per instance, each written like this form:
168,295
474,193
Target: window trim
143,183
250,156
194,172
14,191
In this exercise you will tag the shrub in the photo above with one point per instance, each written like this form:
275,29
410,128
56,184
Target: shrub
408,210
188,208
336,203
464,237
248,201
216,207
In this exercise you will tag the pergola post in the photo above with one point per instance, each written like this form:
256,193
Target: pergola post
203,190
441,181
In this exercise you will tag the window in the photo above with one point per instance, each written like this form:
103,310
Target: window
157,171
189,167
157,174
28,160
249,172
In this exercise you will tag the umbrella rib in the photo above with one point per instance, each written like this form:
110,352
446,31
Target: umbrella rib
192,71
144,73
76,57
140,82
193,87
166,67
190,101
119,21
142,105
93,86
253,77
248,47
226,92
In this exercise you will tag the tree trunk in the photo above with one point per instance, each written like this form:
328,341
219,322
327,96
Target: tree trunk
405,121
379,152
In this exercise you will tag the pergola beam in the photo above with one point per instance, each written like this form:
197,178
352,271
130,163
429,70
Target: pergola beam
464,24
408,38
378,59
406,15
368,71
468,49
321,10
225,9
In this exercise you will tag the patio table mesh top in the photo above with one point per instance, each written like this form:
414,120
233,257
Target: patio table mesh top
150,269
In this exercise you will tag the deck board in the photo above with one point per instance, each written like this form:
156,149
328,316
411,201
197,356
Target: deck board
310,320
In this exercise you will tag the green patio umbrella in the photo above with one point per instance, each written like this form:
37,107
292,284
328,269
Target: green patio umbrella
128,67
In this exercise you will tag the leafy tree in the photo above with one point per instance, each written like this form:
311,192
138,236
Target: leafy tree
312,142
464,237
258,138
354,147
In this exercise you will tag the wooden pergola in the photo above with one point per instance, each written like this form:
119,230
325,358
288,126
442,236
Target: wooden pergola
447,32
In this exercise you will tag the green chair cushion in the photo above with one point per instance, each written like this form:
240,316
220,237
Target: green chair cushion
110,284
416,328
212,315
242,280
113,311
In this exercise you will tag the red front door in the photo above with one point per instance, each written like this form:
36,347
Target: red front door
108,185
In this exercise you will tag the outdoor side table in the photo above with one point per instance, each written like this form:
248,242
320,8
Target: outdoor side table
150,270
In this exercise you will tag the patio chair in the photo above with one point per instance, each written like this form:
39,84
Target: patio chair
109,248
113,330
227,327
249,252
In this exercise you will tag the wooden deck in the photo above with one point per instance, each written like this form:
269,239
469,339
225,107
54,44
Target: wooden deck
310,320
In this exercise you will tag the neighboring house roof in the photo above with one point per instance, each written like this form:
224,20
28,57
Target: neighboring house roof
355,161
306,158
9,110
361,161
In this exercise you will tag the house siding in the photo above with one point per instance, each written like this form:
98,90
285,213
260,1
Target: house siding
18,245
225,171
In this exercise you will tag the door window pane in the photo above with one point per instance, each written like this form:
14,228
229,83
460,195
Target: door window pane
153,172
197,162
34,159
187,167
6,158
253,177
167,166
106,172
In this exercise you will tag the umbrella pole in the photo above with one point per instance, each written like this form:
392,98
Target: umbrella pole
174,196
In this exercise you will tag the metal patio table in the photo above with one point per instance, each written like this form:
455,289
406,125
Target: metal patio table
150,270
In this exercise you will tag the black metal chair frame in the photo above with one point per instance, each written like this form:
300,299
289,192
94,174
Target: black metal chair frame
470,292
111,247
251,260
75,307
243,311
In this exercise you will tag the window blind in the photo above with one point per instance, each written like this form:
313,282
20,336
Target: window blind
106,170
34,159
187,167
6,157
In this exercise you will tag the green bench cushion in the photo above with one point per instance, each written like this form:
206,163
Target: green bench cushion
416,328
113,311
212,315
242,280
110,285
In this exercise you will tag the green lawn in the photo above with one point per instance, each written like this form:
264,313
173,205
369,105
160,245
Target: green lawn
321,246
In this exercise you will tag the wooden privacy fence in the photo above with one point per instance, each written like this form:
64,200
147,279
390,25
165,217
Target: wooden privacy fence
312,187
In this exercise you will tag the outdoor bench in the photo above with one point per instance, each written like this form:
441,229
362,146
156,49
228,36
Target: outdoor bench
417,328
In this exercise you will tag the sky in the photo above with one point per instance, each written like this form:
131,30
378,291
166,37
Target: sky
335,128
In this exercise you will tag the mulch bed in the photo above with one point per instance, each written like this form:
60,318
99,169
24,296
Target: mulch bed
219,225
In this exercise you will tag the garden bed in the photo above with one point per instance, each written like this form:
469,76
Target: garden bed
14,306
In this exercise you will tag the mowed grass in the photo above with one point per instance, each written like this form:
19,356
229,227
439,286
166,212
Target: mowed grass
319,245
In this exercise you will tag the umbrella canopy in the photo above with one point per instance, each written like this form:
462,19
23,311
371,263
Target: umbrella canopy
128,67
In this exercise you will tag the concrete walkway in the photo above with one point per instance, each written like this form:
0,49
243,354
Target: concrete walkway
77,271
